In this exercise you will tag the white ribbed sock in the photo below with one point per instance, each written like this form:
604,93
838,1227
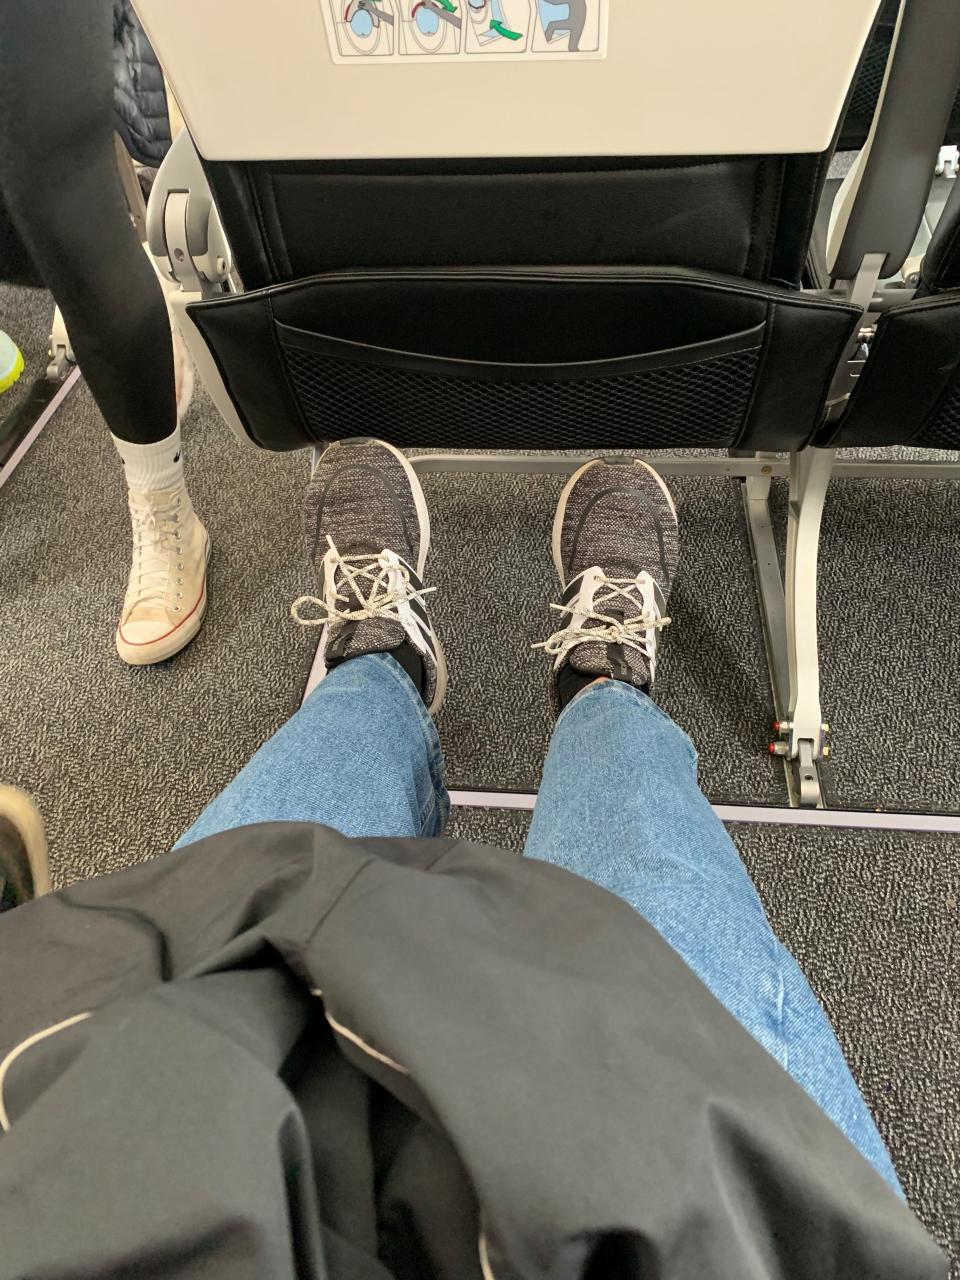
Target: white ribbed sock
152,466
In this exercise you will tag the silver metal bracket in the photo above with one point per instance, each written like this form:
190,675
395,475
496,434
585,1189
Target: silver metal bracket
947,162
802,740
860,293
809,778
810,474
62,359
804,782
184,231
788,609
186,241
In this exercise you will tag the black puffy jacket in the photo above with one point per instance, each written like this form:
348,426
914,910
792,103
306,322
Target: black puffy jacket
139,94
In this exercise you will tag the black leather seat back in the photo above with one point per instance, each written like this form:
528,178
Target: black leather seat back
509,246
608,304
909,390
520,358
745,216
866,89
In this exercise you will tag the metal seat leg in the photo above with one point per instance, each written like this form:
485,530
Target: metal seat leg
804,731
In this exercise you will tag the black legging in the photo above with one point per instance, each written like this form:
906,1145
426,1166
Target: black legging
59,182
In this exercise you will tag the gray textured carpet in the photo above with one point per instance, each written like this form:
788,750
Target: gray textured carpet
492,606
122,761
874,920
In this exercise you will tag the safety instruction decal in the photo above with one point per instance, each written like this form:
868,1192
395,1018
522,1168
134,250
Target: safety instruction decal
382,31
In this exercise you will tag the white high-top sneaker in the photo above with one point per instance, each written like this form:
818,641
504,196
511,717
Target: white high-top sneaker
167,592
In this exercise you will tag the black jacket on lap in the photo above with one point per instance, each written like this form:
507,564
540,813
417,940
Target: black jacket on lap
281,1053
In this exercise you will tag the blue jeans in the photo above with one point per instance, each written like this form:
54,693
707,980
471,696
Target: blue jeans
619,805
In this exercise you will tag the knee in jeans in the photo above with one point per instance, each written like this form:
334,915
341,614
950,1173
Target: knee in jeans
670,732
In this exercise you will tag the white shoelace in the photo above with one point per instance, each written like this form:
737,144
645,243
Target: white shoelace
638,632
377,584
156,544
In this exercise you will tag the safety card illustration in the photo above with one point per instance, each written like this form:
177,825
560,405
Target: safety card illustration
378,31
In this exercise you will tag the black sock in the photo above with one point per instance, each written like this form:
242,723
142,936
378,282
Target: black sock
570,681
411,662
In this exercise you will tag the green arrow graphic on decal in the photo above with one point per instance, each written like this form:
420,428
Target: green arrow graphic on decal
446,4
497,26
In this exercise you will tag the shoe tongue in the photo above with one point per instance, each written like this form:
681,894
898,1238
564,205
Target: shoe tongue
623,570
619,661
367,556
350,639
156,499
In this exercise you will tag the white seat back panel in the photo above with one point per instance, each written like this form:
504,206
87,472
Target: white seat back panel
288,79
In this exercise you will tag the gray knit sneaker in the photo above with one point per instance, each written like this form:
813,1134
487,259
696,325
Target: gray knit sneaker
368,533
24,869
616,548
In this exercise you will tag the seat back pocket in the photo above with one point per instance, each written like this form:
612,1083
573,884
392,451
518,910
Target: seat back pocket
601,359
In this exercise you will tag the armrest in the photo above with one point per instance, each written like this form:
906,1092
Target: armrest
882,203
